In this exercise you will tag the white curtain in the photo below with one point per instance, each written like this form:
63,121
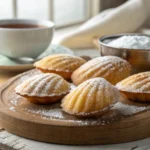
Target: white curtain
128,17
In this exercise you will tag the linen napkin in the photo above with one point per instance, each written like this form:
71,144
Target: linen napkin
128,17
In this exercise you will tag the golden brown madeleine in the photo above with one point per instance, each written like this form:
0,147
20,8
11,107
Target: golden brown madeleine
43,88
91,98
112,68
136,87
62,64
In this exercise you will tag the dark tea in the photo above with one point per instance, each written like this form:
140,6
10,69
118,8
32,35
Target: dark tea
20,26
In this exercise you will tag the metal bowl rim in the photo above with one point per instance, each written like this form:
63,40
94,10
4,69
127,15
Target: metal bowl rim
119,35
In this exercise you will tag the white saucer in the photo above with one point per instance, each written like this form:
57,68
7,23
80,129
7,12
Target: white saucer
9,65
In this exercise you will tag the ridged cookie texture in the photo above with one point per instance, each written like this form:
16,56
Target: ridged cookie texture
43,88
62,64
136,87
91,98
112,68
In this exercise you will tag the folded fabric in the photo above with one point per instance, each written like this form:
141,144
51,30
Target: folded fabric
126,18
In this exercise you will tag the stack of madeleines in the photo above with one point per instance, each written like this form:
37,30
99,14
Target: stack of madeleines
95,80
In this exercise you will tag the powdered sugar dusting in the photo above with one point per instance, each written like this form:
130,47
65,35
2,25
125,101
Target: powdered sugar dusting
112,68
72,87
52,113
60,62
136,83
102,85
131,42
41,85
12,108
18,104
126,109
104,61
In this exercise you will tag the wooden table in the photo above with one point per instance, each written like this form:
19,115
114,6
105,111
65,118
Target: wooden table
9,141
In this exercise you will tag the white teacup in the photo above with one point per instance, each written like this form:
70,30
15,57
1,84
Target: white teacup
25,38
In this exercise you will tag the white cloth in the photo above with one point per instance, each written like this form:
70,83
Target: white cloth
128,17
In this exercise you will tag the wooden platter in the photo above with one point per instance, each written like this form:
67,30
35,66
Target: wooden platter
126,121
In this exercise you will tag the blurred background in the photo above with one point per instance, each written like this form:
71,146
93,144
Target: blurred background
63,12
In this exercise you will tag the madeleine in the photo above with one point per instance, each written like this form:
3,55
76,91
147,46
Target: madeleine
62,64
91,98
136,87
112,68
43,88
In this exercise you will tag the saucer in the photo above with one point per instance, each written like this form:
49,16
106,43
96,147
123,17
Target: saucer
9,65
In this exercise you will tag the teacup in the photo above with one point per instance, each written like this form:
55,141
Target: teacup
25,38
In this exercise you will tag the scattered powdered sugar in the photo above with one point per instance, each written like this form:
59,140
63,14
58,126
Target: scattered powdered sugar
91,122
132,42
128,109
119,111
72,87
12,108
14,101
56,113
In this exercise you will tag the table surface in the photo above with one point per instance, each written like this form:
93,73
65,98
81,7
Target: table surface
9,141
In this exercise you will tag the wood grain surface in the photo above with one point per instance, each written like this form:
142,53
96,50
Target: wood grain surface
127,121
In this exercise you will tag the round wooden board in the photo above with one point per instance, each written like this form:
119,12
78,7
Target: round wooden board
126,121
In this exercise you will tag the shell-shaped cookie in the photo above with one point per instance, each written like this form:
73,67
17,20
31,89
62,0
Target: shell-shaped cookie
62,64
112,68
90,98
136,87
43,88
